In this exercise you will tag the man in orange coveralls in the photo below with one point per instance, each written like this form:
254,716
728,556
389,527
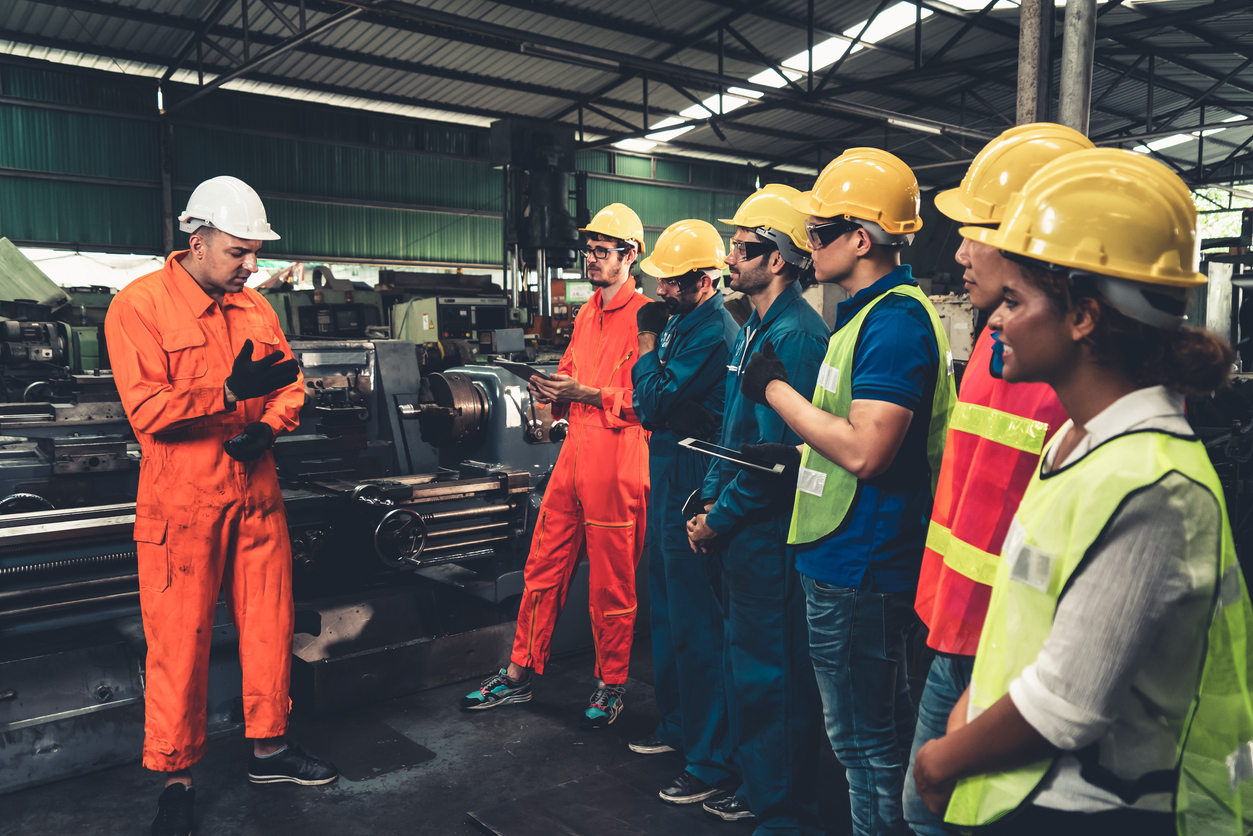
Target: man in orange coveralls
209,507
598,493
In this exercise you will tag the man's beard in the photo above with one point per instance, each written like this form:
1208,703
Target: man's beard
678,306
752,279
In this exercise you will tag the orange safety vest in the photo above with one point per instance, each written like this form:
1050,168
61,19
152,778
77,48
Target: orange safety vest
995,438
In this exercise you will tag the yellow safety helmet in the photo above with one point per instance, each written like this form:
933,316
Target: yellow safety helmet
1003,166
1114,215
867,184
683,247
770,214
618,221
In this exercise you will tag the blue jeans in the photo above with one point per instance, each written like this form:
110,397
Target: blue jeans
946,681
857,644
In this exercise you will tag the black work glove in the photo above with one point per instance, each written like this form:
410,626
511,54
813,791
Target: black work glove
762,368
256,438
691,419
653,317
257,378
769,454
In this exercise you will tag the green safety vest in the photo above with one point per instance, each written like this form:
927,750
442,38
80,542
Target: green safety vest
824,490
1061,517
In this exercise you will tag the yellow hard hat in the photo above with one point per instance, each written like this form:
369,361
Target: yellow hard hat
769,212
1104,211
618,221
1003,166
683,247
868,184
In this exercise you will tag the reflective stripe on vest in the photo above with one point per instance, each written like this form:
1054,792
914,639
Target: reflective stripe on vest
1002,427
825,491
1061,518
960,556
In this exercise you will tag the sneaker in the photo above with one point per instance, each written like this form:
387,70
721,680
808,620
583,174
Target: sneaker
291,765
650,745
604,707
497,689
729,807
686,789
174,811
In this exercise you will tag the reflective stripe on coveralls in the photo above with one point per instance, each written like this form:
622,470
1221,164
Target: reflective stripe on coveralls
1062,516
995,436
686,615
597,496
825,492
200,515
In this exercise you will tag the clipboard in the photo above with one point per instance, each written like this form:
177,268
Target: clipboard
521,370
733,456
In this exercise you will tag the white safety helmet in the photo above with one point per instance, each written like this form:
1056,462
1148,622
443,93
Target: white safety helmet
228,204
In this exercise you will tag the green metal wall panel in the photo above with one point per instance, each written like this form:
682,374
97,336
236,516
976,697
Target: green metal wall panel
674,172
289,166
628,166
312,229
35,139
597,161
659,205
85,215
724,177
87,88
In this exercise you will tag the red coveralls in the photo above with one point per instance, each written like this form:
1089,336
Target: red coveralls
598,495
200,515
994,441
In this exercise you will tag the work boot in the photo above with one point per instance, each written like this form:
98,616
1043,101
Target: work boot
291,765
651,745
497,689
729,807
686,789
604,707
174,811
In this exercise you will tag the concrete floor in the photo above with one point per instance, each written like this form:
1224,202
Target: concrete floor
411,765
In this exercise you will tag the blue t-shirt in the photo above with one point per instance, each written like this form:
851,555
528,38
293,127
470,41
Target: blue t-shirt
879,547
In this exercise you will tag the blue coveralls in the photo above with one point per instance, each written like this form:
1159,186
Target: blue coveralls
686,619
771,690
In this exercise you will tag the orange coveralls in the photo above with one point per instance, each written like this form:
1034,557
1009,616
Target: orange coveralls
597,495
200,515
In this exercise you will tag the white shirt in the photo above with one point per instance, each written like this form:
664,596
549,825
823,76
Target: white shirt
1124,652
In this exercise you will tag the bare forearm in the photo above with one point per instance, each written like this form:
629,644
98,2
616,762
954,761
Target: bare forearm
998,739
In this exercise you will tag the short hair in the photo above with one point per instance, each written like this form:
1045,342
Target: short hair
204,231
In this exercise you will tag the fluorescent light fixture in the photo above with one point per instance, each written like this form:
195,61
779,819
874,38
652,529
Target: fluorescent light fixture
1164,142
1235,119
640,145
915,126
825,54
977,5
769,78
745,92
710,105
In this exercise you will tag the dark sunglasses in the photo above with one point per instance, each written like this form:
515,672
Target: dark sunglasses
748,250
684,281
820,235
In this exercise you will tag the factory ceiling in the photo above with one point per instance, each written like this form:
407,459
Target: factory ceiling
777,83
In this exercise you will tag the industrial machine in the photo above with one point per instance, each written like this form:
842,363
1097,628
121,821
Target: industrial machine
411,495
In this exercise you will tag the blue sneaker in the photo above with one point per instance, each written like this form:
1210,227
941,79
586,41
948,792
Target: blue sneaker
605,706
497,689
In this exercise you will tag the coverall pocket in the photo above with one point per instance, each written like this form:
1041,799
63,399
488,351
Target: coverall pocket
184,348
154,553
268,340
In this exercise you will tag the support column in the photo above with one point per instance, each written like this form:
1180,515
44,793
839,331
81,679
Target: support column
1033,61
1078,47
165,163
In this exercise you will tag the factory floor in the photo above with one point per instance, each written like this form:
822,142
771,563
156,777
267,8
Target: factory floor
418,765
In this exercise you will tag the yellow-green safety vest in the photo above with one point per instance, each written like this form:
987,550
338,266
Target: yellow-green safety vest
1061,518
824,490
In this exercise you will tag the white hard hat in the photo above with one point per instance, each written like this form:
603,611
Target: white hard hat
228,204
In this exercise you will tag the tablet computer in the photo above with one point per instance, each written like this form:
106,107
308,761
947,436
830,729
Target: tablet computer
522,370
733,456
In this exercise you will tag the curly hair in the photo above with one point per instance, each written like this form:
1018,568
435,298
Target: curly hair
1191,361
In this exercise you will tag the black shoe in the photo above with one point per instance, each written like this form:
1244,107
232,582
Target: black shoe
174,814
292,765
729,807
650,745
686,789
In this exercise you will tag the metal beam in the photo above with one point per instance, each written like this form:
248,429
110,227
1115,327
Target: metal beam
848,50
961,33
214,15
274,52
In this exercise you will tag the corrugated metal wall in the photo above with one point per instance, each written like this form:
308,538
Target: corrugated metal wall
79,166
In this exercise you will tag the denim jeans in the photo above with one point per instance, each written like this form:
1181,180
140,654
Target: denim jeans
946,681
857,644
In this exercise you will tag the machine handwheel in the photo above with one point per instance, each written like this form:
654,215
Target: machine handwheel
400,537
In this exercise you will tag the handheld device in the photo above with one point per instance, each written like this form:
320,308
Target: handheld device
733,456
522,370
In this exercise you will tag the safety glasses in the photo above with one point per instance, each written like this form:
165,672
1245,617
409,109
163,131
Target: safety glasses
683,281
820,235
748,250
601,253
